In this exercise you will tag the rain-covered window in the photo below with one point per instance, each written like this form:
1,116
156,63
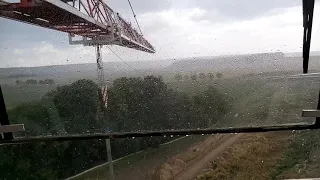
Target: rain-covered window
75,73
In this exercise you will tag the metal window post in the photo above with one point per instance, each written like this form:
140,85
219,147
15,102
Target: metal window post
317,124
4,120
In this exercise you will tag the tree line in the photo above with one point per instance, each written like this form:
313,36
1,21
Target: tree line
194,77
134,104
33,82
21,75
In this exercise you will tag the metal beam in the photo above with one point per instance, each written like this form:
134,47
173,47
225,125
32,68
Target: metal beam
65,16
11,128
289,127
75,12
311,113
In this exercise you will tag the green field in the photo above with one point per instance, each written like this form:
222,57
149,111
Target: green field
15,95
253,102
141,165
281,101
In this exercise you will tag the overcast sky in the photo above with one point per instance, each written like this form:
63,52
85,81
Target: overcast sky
177,28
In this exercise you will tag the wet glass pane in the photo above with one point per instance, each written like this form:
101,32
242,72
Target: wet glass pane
245,72
277,155
133,158
151,103
217,64
272,100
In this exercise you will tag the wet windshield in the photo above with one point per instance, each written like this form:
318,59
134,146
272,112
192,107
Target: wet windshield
160,66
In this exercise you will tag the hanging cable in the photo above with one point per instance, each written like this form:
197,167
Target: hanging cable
122,60
135,17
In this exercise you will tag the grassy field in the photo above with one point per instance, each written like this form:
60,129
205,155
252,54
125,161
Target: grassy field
15,95
263,156
254,156
302,157
233,87
255,102
271,155
142,165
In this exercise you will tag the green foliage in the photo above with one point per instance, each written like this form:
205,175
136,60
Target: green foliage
147,104
208,107
77,106
47,82
178,77
134,104
210,76
18,82
16,95
34,114
31,81
49,160
219,75
298,153
202,76
21,75
68,109
193,77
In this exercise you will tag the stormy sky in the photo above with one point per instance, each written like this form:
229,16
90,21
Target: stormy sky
176,28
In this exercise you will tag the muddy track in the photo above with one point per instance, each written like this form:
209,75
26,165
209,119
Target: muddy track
200,162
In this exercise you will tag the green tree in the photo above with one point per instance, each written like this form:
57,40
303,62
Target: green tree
135,104
193,77
186,77
31,81
202,76
219,75
208,107
77,105
35,116
138,102
49,81
210,76
18,82
178,77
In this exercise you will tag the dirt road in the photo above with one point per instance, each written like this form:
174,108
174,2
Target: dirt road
193,169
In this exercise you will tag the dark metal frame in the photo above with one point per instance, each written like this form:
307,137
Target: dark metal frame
317,123
4,120
167,133
308,7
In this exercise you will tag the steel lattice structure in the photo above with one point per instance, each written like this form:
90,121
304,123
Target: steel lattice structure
93,20
96,22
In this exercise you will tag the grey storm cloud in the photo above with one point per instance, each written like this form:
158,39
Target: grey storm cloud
244,9
177,28
235,9
140,6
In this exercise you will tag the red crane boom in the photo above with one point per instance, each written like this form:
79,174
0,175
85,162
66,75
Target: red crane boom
91,19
